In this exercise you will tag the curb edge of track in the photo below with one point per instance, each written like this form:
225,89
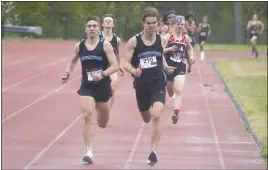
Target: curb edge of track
239,110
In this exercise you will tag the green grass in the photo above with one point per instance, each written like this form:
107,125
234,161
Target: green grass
232,47
247,79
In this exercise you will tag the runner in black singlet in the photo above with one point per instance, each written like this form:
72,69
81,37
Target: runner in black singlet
255,27
98,62
107,34
204,30
144,60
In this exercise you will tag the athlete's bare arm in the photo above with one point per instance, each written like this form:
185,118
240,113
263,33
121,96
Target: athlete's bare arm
131,45
248,26
169,69
165,41
164,28
199,27
262,26
74,59
209,29
118,44
71,64
108,49
190,49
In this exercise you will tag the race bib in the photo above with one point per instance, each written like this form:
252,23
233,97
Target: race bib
203,33
253,31
91,73
148,62
176,57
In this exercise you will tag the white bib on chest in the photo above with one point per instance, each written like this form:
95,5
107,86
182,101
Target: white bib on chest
148,62
91,73
176,57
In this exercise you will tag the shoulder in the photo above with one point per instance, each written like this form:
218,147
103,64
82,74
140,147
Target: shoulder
132,41
118,39
106,43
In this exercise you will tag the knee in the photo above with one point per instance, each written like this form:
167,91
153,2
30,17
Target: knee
156,115
87,117
146,116
156,111
177,91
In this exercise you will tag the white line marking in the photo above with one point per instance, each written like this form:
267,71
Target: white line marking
32,77
134,147
29,78
212,123
36,101
18,62
45,149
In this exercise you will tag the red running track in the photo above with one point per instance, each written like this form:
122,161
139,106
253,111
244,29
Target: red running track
42,124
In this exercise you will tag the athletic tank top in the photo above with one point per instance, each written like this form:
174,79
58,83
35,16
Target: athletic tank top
253,28
113,42
204,30
149,58
174,59
93,61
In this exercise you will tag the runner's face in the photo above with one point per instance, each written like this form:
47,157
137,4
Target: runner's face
92,28
255,17
171,18
179,25
108,22
190,19
204,19
150,24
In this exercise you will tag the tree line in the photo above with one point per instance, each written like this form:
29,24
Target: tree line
66,19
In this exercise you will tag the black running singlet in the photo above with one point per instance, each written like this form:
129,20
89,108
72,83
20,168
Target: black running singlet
113,42
93,61
253,29
150,60
204,31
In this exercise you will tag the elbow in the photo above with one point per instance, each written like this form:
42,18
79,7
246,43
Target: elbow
115,68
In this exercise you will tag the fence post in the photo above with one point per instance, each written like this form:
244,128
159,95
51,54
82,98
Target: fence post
238,23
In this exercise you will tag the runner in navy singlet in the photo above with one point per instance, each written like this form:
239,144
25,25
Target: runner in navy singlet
98,62
107,34
144,60
255,27
204,30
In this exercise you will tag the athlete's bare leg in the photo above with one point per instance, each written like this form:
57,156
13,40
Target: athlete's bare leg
253,42
87,105
178,86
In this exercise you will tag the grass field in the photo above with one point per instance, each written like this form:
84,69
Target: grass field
247,79
233,47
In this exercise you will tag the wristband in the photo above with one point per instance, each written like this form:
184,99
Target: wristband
67,74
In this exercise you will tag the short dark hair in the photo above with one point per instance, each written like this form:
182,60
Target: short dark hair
149,12
108,15
165,15
94,18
